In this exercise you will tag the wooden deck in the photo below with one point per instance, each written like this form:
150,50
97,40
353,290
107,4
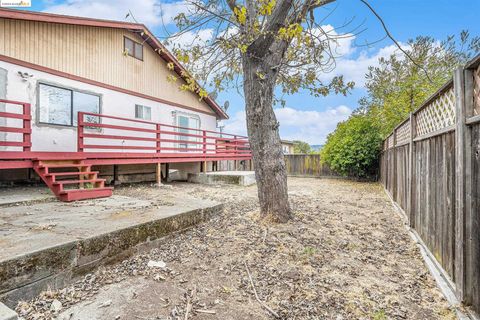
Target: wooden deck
110,140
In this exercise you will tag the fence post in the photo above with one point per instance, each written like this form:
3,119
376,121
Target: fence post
472,245
411,172
394,150
460,148
80,132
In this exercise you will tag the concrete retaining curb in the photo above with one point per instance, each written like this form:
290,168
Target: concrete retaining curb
241,178
25,276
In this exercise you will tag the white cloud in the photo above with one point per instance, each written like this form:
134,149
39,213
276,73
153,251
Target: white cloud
343,57
355,68
309,126
340,45
192,38
149,12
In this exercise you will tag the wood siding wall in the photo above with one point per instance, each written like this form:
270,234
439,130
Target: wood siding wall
95,53
431,169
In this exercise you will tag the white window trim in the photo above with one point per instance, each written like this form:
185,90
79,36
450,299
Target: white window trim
143,109
57,85
176,114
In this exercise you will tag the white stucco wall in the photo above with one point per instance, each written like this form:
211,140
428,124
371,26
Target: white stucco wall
61,138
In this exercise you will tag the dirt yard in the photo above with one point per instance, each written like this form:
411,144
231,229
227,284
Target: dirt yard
346,255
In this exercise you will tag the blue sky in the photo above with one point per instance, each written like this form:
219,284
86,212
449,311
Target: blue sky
305,117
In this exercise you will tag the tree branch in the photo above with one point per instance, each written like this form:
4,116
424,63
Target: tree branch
259,47
390,36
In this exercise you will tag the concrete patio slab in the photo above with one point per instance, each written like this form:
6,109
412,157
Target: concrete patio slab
24,195
6,313
49,244
242,178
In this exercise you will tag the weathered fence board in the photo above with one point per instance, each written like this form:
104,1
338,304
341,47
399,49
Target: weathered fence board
473,248
401,158
430,166
433,210
307,165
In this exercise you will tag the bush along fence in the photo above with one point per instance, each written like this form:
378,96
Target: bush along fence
430,166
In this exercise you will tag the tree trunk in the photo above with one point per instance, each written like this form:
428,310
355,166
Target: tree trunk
270,172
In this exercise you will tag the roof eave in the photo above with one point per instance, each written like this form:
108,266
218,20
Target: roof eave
147,35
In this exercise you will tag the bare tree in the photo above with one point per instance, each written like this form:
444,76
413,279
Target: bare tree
269,48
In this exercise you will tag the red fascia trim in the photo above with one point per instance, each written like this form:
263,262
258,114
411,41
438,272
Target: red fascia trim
96,83
64,19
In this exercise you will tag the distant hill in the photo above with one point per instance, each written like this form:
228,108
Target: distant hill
316,147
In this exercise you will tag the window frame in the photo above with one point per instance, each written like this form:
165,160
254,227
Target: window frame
135,44
176,116
72,90
143,114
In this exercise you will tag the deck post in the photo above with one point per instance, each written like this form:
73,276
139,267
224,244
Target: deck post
80,132
159,143
27,126
460,134
204,133
235,153
167,171
158,175
116,181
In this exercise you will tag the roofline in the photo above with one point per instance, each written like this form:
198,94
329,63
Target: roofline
145,33
65,19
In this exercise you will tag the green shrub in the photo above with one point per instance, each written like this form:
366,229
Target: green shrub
353,148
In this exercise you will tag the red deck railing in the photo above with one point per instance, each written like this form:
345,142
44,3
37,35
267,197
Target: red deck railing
105,139
20,123
105,133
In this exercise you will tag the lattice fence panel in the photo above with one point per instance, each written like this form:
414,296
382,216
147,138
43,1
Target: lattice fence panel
437,115
390,142
476,92
403,133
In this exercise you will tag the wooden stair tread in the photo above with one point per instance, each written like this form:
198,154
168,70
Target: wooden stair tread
78,181
65,165
73,173
98,191
85,190
84,194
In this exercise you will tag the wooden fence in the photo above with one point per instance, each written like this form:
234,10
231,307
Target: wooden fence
430,166
307,165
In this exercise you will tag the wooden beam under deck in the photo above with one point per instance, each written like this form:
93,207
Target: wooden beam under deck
22,160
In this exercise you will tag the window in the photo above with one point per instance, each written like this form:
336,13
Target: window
61,106
187,122
133,48
143,112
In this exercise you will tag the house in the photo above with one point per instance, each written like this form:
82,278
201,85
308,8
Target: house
287,146
79,93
